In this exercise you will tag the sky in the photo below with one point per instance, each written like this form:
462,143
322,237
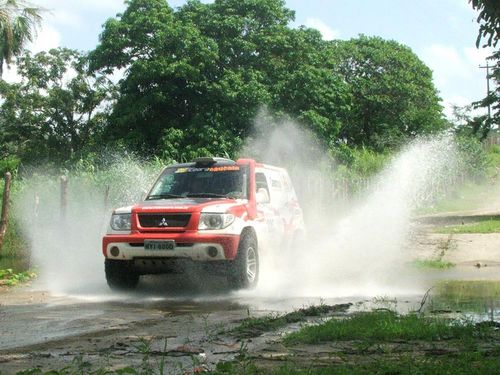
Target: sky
441,32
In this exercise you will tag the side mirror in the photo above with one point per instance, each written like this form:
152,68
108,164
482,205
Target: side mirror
262,196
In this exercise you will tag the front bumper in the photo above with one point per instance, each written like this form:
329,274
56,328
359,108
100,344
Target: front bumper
194,246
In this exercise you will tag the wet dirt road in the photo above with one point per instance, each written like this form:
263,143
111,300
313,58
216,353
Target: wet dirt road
189,326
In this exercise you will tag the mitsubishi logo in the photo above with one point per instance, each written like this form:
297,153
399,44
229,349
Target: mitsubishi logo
163,223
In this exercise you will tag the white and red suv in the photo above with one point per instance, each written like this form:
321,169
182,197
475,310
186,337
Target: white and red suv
212,212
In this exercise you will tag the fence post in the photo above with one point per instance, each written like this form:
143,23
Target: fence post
64,196
5,208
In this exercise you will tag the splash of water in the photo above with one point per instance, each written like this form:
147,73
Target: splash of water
65,244
362,253
367,252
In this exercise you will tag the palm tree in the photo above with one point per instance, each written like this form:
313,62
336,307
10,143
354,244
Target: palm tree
18,23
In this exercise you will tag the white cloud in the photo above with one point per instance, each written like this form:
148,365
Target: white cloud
446,63
47,38
10,74
53,5
456,73
326,31
477,56
460,101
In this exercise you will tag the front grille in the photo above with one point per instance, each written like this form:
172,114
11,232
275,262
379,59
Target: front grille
164,220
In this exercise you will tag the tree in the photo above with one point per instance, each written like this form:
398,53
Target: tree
196,78
18,22
393,96
489,29
489,20
56,111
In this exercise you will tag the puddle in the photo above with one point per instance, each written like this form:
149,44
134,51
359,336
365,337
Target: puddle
477,300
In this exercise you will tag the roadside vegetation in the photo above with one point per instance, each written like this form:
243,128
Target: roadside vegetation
433,263
475,192
482,225
255,326
383,325
377,342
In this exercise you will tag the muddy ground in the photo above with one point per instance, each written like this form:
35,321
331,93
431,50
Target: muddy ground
189,327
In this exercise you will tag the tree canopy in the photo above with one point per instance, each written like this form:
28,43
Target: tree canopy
489,21
192,80
195,78
393,96
57,109
489,30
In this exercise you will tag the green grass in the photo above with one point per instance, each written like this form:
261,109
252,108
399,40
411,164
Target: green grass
468,197
461,364
487,225
255,326
382,325
433,263
473,195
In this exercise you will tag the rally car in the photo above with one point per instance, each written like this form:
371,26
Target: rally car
217,213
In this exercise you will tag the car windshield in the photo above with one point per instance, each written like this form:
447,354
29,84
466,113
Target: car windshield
226,181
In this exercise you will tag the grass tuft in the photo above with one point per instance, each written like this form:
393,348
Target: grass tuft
253,327
488,225
382,325
433,263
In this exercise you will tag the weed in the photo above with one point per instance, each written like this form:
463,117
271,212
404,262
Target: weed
252,327
382,325
433,263
489,224
10,278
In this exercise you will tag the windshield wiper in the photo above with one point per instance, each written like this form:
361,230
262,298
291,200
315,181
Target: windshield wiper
163,196
206,195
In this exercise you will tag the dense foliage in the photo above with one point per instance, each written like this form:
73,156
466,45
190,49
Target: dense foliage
489,31
56,111
195,78
191,81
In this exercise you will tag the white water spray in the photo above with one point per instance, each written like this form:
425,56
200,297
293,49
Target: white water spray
366,252
362,253
66,247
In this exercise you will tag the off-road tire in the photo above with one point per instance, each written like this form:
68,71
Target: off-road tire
120,275
244,270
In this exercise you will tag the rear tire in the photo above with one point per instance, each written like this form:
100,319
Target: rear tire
120,275
244,270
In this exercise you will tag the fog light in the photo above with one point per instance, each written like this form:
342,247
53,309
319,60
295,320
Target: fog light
114,251
212,251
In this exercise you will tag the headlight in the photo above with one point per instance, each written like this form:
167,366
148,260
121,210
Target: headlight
120,221
215,221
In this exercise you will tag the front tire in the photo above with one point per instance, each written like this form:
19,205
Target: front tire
120,275
244,272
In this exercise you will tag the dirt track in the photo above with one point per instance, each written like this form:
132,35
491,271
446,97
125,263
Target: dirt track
188,328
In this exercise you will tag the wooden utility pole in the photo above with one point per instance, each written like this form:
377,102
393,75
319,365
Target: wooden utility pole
5,208
487,67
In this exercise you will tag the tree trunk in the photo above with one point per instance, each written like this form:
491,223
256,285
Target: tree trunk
5,208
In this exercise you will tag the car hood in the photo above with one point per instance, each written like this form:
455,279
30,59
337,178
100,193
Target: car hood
187,205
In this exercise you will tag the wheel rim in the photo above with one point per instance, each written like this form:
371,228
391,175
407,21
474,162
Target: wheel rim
251,264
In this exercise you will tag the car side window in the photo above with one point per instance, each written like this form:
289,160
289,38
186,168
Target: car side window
261,182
